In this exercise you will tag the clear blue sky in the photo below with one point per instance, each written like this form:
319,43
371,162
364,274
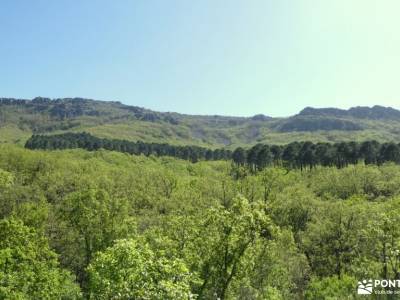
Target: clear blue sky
204,57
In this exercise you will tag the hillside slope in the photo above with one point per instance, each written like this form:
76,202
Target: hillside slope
20,118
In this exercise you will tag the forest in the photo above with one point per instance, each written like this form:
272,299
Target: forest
101,224
297,155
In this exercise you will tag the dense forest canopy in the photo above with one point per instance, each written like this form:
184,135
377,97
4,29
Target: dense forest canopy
109,225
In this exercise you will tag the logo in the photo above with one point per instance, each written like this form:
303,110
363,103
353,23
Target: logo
364,287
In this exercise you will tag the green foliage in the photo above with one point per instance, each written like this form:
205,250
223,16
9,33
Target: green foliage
229,234
303,155
333,239
92,220
207,229
6,179
90,142
131,270
331,288
28,268
383,234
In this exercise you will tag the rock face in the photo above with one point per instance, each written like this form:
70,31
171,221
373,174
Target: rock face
361,112
260,117
315,123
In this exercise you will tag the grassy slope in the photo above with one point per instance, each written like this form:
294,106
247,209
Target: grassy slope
12,134
236,136
196,132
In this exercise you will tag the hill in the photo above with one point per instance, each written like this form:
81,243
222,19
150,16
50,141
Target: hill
20,118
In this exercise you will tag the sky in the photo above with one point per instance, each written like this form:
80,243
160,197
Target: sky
204,57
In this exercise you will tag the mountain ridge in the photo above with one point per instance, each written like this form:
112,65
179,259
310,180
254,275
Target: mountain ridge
19,118
355,111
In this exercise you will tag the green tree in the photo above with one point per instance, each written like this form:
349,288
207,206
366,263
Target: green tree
369,151
6,179
332,288
264,157
239,156
28,268
131,270
223,244
332,241
92,220
383,234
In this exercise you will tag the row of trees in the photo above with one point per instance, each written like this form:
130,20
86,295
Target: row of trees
301,155
91,143
296,155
